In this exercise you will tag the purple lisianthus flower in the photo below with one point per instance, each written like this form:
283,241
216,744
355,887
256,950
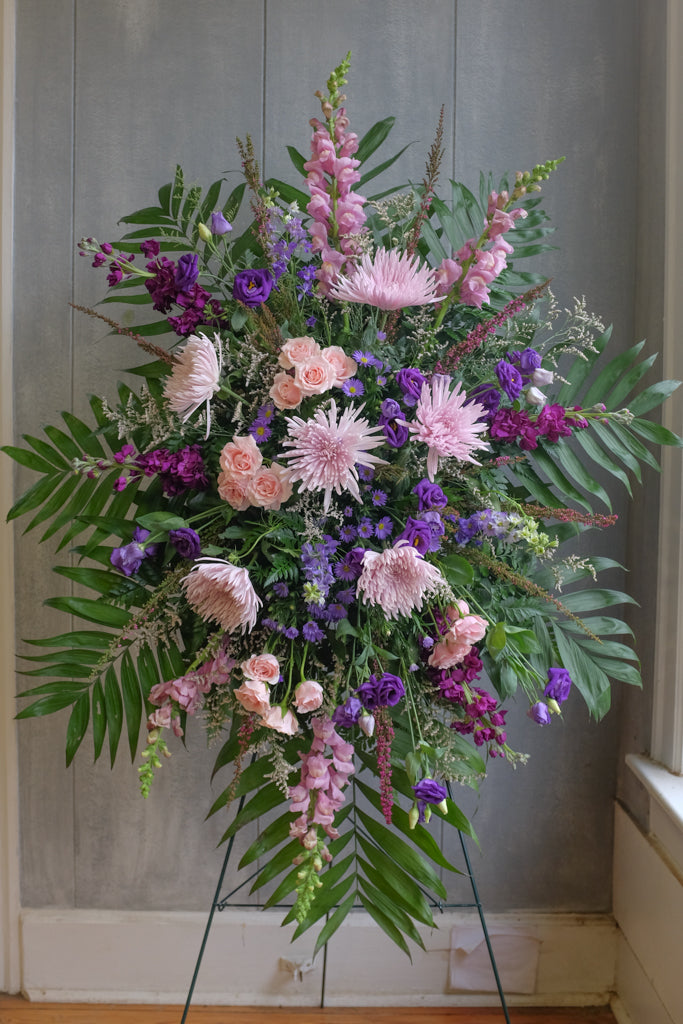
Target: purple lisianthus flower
396,433
486,395
383,691
539,713
252,287
129,557
510,379
348,713
187,271
559,684
429,495
219,225
418,534
529,360
436,528
410,381
186,542
428,791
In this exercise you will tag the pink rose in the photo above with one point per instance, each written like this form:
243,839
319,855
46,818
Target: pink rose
284,392
315,376
298,350
286,723
254,696
344,366
448,653
233,489
308,696
241,457
465,629
269,487
264,667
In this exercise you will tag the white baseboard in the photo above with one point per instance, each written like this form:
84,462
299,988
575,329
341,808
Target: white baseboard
146,957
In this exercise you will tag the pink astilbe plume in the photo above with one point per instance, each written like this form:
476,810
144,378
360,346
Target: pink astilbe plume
397,579
325,453
448,426
195,378
393,280
222,592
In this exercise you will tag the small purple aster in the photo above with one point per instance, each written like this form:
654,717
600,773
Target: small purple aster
353,387
365,529
266,413
291,632
379,498
381,336
281,589
260,431
347,534
363,358
384,528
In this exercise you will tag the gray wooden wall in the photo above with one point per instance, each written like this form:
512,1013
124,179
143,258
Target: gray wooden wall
110,95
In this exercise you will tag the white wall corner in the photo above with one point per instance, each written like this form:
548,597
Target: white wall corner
148,957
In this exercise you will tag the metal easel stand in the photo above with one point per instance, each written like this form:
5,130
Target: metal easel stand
221,902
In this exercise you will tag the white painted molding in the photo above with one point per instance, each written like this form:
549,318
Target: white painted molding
667,728
147,957
9,800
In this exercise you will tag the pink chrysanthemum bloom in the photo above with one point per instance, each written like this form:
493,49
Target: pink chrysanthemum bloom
325,453
222,592
397,579
195,377
393,280
446,425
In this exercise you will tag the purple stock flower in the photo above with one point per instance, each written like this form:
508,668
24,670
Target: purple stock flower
384,691
186,542
410,381
252,287
429,495
559,684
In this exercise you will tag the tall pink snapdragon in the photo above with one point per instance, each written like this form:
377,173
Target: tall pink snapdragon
336,210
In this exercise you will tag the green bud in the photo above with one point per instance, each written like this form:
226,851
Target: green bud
204,232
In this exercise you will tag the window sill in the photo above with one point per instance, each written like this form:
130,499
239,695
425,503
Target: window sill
666,805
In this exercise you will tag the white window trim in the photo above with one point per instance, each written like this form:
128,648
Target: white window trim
667,726
9,798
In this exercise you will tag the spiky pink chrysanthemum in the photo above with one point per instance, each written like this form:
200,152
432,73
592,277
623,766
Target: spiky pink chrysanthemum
393,280
195,377
446,425
325,453
222,592
397,579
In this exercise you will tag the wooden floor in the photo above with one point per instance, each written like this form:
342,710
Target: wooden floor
14,1010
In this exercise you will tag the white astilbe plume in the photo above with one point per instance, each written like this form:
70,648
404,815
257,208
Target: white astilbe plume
397,579
448,426
195,378
393,280
325,453
222,592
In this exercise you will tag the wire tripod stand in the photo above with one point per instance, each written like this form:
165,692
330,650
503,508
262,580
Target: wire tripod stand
221,902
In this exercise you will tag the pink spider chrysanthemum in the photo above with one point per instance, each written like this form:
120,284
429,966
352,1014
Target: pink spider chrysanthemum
195,377
222,592
393,280
397,579
448,426
325,453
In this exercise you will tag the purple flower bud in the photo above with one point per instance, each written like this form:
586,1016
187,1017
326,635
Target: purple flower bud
219,225
186,542
539,713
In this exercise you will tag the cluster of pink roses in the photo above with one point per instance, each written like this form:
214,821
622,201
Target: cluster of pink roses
318,794
261,671
337,212
244,480
483,264
185,693
316,370
463,630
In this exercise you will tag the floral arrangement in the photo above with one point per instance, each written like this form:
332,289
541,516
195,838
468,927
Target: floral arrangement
331,518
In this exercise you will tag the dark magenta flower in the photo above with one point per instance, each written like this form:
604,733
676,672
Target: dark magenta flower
559,684
186,542
252,287
384,691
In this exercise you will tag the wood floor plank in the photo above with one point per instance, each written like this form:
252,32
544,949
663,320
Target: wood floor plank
14,1010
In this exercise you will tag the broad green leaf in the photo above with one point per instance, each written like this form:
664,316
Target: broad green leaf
375,887
29,459
46,450
457,570
298,160
374,138
610,374
99,719
78,723
620,670
588,600
275,864
586,440
63,443
57,499
608,436
557,478
324,900
264,800
580,475
620,392
79,638
132,702
92,611
601,625
397,882
587,677
74,687
84,436
579,372
656,433
331,926
404,855
380,169
48,705
652,396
